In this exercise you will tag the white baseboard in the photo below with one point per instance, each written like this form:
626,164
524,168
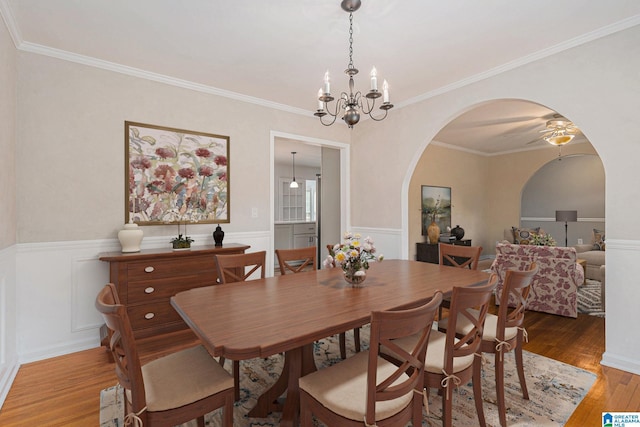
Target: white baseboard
622,363
7,375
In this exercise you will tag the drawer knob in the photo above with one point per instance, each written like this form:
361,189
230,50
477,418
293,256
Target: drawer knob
149,316
149,269
149,290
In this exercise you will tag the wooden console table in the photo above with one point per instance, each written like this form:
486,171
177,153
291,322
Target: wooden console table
146,280
428,252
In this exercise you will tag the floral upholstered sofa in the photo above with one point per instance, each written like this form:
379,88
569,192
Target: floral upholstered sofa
554,288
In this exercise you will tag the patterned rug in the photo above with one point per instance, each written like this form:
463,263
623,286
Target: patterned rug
555,390
589,300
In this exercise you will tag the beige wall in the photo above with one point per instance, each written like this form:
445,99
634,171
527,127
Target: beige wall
508,174
466,174
7,140
71,147
486,190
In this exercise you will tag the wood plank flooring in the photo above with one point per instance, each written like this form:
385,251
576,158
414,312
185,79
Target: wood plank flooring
64,391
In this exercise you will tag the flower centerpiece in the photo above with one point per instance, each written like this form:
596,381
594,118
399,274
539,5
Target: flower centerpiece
353,256
542,239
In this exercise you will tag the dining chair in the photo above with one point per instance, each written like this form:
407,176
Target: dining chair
504,332
342,337
297,260
459,256
234,268
167,391
369,388
454,360
239,267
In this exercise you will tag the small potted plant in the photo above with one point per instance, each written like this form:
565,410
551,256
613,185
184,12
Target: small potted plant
181,242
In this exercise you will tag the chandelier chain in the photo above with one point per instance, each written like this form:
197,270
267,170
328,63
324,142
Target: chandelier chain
351,40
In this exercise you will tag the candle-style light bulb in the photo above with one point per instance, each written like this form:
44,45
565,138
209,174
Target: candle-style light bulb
327,84
385,91
320,103
374,79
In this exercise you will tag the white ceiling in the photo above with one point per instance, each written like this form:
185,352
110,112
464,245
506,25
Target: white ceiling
276,52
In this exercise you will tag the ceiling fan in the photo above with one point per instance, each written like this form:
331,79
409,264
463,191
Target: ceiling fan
559,131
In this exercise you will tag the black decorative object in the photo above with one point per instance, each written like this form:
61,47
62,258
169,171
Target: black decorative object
457,232
218,235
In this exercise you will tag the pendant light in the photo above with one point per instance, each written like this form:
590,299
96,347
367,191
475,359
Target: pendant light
294,184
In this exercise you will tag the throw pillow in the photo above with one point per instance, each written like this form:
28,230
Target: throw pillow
522,236
598,240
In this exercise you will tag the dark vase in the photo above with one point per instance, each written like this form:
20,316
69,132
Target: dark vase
218,235
457,232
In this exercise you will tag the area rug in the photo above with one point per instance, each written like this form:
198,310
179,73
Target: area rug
589,298
555,390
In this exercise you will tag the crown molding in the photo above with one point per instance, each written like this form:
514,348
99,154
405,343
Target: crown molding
10,22
576,41
148,75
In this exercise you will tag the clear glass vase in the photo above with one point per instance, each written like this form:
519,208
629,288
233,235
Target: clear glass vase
355,277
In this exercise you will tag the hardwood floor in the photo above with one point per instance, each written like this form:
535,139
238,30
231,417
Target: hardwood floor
64,391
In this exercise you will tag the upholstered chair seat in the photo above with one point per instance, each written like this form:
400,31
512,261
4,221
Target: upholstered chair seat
181,378
344,388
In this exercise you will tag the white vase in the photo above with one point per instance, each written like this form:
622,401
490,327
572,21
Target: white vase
130,237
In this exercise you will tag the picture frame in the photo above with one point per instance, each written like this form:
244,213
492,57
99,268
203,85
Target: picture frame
175,176
435,206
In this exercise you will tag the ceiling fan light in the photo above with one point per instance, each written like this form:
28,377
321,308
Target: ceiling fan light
558,140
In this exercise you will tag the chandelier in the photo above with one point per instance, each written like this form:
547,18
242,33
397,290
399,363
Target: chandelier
559,131
351,103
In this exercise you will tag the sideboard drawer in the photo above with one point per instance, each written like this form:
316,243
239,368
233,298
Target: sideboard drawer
149,316
145,291
147,270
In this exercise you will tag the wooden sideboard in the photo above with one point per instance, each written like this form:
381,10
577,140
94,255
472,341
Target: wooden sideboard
146,280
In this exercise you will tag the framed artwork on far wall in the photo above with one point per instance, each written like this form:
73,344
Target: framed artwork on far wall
175,176
436,207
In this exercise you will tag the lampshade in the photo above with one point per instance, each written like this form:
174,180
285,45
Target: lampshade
566,216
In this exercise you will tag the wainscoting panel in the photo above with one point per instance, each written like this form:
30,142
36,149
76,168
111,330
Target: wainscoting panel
386,240
8,331
57,283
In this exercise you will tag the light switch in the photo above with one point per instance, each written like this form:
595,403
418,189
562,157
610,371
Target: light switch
254,212
579,241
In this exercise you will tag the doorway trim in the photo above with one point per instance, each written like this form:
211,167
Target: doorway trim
345,155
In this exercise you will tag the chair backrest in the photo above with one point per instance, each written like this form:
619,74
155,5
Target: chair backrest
459,255
390,325
516,285
470,303
297,260
238,267
122,346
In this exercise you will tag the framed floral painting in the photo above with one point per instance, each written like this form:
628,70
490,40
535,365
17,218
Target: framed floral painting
436,207
175,176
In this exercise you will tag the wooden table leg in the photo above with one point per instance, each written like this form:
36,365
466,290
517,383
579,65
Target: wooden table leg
297,362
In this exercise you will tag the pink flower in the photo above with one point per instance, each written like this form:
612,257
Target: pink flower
203,152
141,163
205,171
164,153
220,160
186,173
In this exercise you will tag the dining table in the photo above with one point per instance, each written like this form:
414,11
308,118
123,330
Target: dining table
288,313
